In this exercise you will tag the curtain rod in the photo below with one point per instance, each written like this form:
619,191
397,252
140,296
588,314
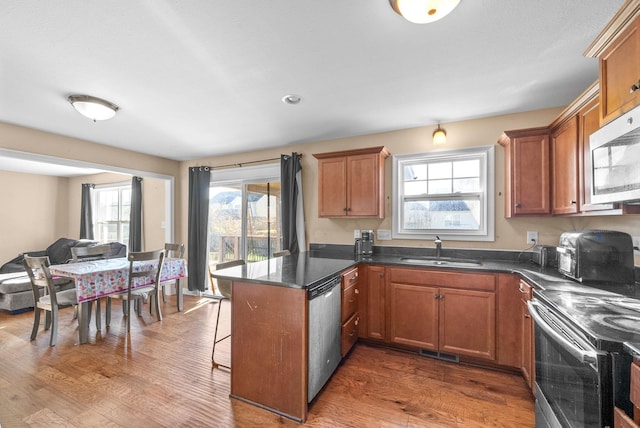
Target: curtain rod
241,164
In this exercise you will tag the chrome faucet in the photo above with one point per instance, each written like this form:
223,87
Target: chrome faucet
438,247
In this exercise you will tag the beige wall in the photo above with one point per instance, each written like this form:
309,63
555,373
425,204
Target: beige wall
510,233
34,212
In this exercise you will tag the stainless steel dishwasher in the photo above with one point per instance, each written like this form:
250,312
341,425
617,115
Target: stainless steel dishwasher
324,333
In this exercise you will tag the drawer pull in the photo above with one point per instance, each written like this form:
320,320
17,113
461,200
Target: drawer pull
356,291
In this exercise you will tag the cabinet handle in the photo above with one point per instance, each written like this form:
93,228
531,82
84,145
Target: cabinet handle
634,87
572,202
518,205
357,320
355,276
527,316
439,296
345,209
381,274
353,333
357,291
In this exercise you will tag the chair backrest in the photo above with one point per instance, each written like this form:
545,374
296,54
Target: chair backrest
38,270
224,285
174,251
102,251
137,269
281,253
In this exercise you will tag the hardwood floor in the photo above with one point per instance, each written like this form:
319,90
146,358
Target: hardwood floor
160,376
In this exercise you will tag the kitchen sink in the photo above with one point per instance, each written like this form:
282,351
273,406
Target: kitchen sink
441,261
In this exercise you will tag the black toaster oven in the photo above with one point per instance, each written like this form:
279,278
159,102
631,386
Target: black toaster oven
596,255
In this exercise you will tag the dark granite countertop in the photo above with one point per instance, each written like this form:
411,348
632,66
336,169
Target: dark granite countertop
295,271
608,314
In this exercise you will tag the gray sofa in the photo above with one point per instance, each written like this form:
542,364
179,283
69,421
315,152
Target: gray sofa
15,288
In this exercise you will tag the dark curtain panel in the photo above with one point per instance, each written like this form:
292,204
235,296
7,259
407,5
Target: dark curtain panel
135,215
197,263
293,238
86,212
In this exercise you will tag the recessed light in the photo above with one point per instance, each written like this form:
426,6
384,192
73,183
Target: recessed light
291,99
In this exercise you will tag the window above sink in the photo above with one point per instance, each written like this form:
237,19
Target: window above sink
446,193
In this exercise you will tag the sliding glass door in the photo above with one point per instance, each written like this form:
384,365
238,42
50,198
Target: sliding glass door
244,219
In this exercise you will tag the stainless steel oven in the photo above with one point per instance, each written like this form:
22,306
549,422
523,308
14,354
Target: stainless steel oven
573,378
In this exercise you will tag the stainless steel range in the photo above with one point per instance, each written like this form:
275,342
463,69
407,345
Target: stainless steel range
582,371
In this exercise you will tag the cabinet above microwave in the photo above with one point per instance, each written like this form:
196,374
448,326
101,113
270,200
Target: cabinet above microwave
615,160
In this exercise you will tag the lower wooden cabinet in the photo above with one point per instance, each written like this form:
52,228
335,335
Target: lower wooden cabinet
350,315
438,310
528,344
621,420
373,301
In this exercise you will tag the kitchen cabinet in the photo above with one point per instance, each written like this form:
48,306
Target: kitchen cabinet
508,321
373,325
350,315
618,52
564,168
432,309
527,179
351,183
528,343
620,418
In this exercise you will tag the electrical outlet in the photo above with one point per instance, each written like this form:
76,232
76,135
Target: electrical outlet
384,234
636,245
356,234
532,238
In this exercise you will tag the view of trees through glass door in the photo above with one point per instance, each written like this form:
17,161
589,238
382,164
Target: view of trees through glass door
244,221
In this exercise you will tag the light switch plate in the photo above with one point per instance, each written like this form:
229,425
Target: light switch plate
356,233
384,235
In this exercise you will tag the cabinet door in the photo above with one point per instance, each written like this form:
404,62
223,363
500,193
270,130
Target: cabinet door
413,315
508,321
363,186
332,185
564,151
527,346
531,175
468,323
375,303
619,72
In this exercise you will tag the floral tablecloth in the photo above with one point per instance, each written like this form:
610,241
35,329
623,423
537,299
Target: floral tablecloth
98,278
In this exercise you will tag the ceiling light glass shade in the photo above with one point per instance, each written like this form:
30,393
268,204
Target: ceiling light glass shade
92,107
423,11
439,136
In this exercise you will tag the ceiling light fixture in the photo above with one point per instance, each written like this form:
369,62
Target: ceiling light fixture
92,107
423,11
439,136
291,99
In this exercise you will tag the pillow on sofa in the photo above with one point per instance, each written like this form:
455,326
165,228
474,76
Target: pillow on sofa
60,251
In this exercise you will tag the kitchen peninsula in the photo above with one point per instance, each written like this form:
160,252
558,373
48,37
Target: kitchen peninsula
270,312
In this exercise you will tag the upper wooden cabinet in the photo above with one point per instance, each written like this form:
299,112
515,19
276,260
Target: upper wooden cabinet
618,50
527,183
564,168
351,183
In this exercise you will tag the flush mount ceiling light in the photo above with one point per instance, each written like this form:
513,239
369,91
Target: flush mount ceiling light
291,99
423,11
439,136
92,107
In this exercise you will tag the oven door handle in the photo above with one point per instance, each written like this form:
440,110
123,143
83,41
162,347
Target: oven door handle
590,357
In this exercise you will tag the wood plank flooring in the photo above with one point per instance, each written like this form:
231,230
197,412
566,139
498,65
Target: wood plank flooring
160,376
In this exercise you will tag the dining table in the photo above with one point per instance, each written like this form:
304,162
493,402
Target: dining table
105,277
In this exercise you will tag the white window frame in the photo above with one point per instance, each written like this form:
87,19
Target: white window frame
486,232
109,187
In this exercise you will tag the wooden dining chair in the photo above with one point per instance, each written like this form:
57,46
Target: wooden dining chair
221,291
88,253
173,251
38,270
141,266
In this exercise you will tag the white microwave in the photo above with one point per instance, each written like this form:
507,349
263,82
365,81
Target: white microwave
615,160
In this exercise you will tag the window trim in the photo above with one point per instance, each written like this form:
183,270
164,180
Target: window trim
487,229
119,186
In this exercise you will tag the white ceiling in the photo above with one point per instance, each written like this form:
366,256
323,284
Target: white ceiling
198,78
